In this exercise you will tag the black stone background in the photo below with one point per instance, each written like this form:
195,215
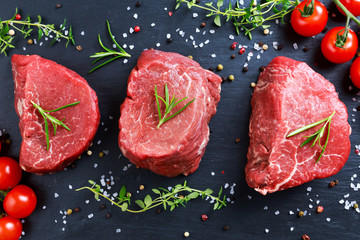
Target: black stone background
247,218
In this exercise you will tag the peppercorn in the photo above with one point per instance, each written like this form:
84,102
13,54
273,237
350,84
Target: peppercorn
266,31
169,40
245,69
128,194
102,206
186,234
141,187
191,57
211,69
237,140
11,32
305,237
265,47
220,67
333,15
223,79
231,78
77,210
30,41
101,154
181,196
280,47
7,141
158,211
73,165
358,107
78,47
69,211
204,217
58,5
108,215
253,84
242,50
305,49
332,184
138,4
136,29
357,151
232,56
356,206
89,152
202,24
79,157
319,209
226,227
336,182
261,43
262,68
300,213
17,16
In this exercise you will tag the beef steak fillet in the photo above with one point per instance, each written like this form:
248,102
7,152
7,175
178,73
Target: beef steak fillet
289,95
179,144
51,86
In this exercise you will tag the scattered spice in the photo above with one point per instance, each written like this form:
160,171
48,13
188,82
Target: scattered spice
158,211
79,48
357,151
265,47
242,50
332,184
266,31
333,15
233,45
101,154
226,227
305,49
136,29
204,217
356,206
108,215
170,14
169,40
336,182
30,41
138,4
231,78
253,84
141,187
237,140
262,68
58,5
102,206
73,165
320,209
245,69
69,211
300,213
202,24
77,210
17,16
305,237
186,234
223,79
89,152
211,69
191,57
280,47
232,56
11,32
261,43
220,67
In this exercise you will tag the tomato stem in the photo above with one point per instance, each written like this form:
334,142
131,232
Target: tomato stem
347,12
308,9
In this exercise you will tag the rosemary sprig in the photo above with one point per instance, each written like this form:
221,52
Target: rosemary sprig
316,137
26,27
54,121
165,198
248,18
169,105
109,52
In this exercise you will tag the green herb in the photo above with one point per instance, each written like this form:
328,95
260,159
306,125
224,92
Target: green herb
54,121
165,198
169,105
114,54
26,27
316,137
248,18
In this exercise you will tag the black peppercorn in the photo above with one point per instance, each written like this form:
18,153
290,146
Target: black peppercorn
77,209
232,56
58,5
261,44
245,69
108,215
261,68
211,68
202,24
138,4
305,49
102,206
280,47
158,211
169,40
226,227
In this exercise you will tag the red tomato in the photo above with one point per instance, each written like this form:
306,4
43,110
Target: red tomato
10,228
312,25
20,202
355,72
352,5
337,54
10,173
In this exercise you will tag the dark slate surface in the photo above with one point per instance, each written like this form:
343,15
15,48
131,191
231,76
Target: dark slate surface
246,217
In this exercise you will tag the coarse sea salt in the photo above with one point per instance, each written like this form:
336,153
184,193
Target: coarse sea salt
267,230
135,15
195,15
56,195
118,230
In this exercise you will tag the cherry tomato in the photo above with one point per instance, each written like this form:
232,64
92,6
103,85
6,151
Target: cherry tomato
337,54
10,173
355,72
352,5
312,25
10,228
20,202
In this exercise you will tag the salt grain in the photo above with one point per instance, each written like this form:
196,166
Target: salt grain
212,174
212,31
213,55
131,47
90,215
231,37
328,219
70,187
152,25
125,61
124,35
267,230
277,213
195,15
118,230
82,33
135,16
56,195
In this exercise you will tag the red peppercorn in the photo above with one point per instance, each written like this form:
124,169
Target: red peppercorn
222,172
320,209
233,46
242,50
357,151
305,237
136,29
170,14
204,217
17,16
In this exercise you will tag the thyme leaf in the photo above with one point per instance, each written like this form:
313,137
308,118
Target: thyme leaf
54,121
316,137
26,27
108,52
247,19
165,198
169,105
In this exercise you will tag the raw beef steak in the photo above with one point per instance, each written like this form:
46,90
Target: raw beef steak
289,95
179,144
51,86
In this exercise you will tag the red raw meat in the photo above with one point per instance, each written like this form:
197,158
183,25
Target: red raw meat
289,95
51,86
179,144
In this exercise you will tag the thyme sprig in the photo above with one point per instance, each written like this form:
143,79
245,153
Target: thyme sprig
169,105
26,27
165,198
54,121
249,18
316,137
108,52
